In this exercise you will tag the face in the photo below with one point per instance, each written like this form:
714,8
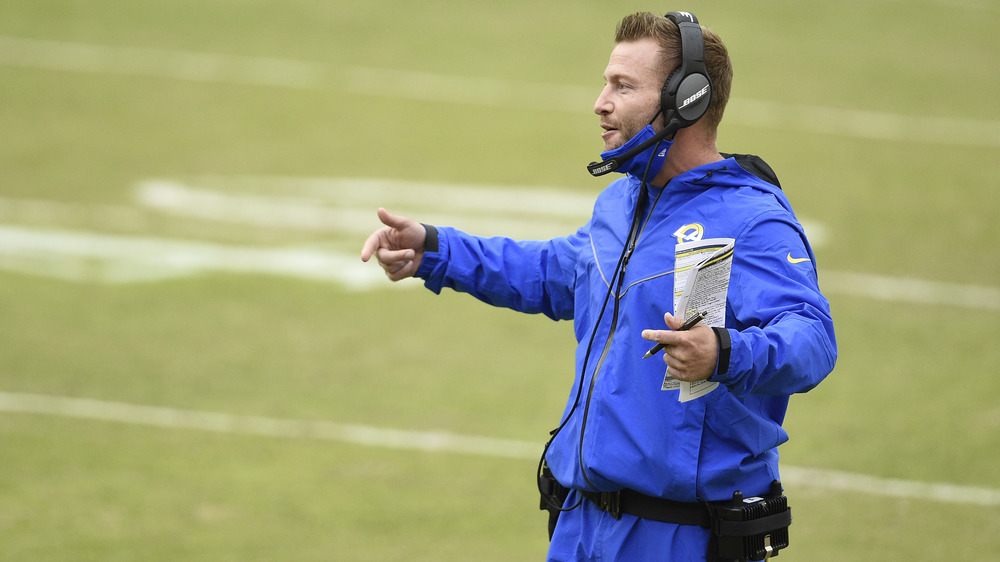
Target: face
631,95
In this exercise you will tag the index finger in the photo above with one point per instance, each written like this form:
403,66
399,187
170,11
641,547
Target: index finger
370,245
666,337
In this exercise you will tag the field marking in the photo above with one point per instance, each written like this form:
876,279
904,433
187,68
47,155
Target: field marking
83,256
522,212
348,204
425,86
335,205
89,257
440,442
910,290
429,441
344,205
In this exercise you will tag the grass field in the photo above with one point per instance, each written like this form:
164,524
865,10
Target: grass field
196,366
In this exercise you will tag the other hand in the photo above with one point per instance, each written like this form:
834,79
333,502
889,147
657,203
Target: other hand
398,246
691,355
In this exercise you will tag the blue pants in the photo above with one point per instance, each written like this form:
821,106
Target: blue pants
588,533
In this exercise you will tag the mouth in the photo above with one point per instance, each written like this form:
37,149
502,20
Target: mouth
608,131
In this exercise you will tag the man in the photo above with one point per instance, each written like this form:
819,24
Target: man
639,463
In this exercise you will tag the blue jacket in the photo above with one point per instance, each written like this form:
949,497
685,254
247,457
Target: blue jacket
625,432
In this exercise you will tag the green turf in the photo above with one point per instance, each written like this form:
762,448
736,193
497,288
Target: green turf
913,396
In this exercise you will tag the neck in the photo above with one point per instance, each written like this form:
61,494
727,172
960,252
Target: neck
692,148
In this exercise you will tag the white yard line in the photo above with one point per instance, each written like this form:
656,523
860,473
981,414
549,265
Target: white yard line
910,290
33,242
81,256
439,442
86,256
348,204
425,86
434,441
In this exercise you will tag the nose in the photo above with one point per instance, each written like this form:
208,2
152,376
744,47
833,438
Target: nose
603,105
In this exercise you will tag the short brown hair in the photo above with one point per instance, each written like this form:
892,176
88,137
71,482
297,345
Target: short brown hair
646,25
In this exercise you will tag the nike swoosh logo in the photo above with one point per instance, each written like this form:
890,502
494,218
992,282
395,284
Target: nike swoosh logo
796,260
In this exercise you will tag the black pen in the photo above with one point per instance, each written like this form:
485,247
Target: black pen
687,325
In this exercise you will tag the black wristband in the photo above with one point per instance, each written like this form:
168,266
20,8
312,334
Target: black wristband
431,242
725,349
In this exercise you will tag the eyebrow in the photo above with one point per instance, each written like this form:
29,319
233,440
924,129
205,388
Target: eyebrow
618,76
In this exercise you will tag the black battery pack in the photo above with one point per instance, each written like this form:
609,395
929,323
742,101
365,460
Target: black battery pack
753,528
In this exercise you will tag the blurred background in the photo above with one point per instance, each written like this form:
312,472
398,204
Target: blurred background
196,365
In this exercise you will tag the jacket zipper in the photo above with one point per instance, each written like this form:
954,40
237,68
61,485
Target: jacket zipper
634,239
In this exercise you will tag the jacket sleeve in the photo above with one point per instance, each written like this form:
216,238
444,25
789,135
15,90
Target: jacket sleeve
780,325
528,276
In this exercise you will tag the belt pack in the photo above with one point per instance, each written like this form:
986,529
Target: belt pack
754,528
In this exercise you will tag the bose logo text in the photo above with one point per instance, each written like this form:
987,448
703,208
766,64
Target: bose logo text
694,97
605,168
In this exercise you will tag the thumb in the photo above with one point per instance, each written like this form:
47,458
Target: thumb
391,220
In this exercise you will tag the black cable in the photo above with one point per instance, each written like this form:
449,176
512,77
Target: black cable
634,231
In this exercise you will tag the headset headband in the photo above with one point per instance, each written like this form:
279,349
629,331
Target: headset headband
687,92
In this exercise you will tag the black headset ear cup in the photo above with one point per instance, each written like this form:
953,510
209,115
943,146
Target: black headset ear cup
685,98
687,91
693,96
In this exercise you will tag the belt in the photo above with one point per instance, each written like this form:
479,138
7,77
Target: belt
649,507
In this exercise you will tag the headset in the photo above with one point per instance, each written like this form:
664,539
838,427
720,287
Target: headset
686,93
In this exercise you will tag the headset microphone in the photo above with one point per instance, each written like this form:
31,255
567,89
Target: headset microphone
611,164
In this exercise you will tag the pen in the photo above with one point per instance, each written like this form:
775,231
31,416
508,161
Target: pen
687,325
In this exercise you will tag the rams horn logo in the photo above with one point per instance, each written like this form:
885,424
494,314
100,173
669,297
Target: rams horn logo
689,233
